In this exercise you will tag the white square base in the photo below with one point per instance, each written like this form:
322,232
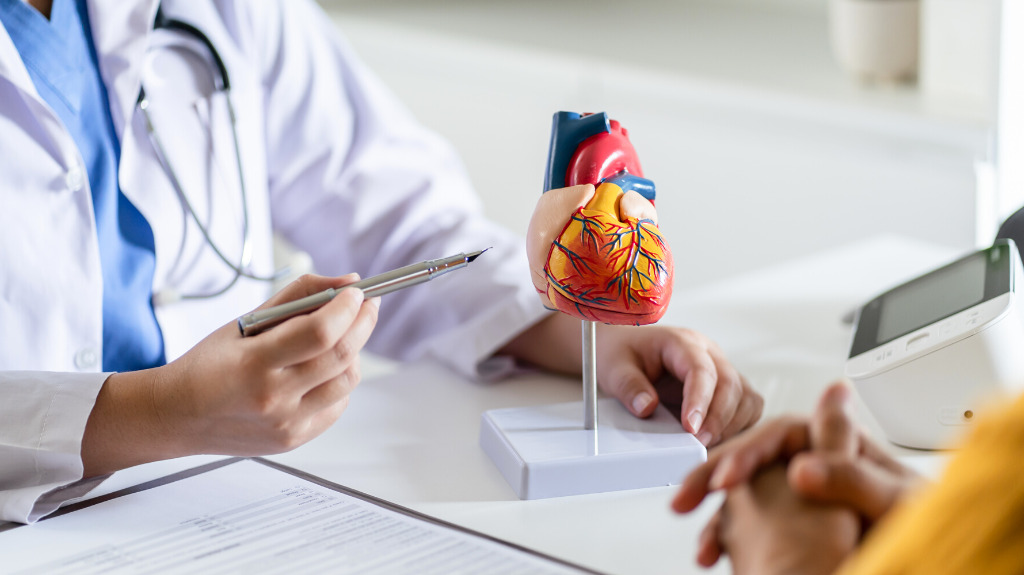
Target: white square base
545,452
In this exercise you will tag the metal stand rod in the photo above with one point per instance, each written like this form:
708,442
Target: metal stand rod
589,375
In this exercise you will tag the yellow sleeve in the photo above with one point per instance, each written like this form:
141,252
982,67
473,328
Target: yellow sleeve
970,521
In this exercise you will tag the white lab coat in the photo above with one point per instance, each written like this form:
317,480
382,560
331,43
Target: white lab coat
331,162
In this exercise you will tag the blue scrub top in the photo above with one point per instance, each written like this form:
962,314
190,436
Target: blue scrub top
62,62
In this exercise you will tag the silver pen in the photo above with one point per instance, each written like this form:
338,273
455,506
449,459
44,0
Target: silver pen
385,283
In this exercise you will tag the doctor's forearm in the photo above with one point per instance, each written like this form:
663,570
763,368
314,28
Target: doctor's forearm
553,343
125,428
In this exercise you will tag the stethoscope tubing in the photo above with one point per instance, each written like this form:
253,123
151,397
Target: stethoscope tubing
222,80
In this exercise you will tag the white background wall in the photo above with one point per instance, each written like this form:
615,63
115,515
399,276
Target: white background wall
761,149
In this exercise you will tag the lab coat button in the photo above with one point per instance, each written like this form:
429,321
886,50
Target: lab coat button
75,179
86,358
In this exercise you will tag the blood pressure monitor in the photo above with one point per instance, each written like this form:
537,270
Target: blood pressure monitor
929,354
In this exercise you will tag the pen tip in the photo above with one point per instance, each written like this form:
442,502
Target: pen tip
476,254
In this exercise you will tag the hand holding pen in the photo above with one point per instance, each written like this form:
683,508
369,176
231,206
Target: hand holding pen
231,395
385,283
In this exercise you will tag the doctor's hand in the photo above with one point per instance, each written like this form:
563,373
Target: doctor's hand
237,396
693,376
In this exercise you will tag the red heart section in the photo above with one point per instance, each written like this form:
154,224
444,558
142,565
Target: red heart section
609,269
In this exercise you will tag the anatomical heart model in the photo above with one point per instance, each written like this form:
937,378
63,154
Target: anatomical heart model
596,254
595,249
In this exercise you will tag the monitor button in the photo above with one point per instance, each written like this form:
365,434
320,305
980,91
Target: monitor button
919,341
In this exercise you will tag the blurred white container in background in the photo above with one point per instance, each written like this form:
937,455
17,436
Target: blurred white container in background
1009,87
876,40
959,56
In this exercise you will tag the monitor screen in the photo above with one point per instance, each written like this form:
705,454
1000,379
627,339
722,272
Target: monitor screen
930,298
917,304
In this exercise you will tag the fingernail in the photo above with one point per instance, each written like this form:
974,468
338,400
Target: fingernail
695,420
641,401
375,301
704,437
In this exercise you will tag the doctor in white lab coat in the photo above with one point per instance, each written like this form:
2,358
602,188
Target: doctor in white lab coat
331,162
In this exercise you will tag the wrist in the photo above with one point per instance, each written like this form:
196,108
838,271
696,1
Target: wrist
128,426
553,343
794,562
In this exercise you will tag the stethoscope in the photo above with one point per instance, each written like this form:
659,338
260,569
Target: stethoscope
222,83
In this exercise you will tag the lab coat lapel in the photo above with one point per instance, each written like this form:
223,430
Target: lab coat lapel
11,67
53,137
120,32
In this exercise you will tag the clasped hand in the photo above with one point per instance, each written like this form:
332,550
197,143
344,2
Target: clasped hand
800,492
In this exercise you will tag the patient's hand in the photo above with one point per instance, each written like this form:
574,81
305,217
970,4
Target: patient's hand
767,528
859,476
871,483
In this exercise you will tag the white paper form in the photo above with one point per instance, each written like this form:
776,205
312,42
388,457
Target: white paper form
248,516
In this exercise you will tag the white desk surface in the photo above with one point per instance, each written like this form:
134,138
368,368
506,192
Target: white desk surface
410,433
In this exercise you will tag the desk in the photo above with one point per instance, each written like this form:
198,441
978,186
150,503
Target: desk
410,432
